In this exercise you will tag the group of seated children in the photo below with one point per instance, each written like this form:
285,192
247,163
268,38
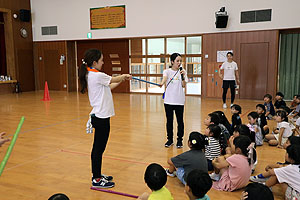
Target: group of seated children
228,152
293,111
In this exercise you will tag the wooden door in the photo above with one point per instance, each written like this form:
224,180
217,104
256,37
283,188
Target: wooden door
26,75
214,83
210,84
253,70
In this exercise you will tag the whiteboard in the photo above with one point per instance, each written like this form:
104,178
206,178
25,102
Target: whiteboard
221,55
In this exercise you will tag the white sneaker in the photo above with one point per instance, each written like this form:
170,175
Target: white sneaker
224,106
258,180
170,174
214,176
231,105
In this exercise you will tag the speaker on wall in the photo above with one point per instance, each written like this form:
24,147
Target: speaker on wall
221,21
25,15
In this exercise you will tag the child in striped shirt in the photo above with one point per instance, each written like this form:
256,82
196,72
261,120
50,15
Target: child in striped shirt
213,149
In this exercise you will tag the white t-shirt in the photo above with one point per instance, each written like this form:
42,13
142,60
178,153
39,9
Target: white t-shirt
229,69
100,94
290,175
174,94
287,129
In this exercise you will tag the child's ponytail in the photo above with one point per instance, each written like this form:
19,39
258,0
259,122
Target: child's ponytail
90,56
243,142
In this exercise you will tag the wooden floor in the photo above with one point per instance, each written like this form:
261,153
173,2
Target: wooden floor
52,153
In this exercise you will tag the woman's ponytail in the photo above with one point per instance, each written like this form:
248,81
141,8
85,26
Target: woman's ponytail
90,56
82,78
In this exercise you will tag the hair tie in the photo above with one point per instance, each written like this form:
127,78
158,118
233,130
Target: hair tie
83,62
194,141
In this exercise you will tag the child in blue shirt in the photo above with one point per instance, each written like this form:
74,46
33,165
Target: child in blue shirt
270,111
198,183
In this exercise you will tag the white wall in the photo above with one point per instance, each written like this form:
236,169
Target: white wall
157,17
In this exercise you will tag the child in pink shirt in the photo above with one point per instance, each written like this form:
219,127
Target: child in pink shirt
235,170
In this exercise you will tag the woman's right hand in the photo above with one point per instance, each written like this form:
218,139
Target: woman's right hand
127,77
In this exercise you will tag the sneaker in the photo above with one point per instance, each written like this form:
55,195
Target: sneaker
102,183
169,173
214,176
179,144
169,143
257,179
108,178
231,105
224,106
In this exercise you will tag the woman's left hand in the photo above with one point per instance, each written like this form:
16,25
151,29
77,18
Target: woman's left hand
183,72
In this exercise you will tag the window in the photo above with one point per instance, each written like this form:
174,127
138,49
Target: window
150,57
193,45
156,46
175,45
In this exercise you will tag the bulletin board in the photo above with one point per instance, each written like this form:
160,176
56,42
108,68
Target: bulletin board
108,17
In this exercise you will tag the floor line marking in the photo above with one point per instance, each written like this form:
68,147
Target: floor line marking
108,157
39,158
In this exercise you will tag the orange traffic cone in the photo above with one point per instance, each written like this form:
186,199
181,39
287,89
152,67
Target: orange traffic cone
46,93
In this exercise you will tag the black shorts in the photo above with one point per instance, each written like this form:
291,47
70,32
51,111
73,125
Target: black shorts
229,84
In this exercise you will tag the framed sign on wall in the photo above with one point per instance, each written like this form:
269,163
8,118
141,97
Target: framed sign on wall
108,17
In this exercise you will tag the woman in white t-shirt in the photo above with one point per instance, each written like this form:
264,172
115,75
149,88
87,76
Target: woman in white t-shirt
175,79
230,78
99,86
283,131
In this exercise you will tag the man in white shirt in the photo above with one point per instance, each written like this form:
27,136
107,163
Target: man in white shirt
230,78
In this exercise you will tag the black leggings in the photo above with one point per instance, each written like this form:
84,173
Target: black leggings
102,129
232,91
169,109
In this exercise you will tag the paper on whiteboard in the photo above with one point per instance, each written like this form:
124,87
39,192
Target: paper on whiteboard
222,55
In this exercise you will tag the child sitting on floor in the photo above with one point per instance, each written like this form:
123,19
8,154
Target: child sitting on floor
253,126
262,120
283,131
235,171
242,130
198,183
290,175
155,178
213,148
295,114
236,120
279,102
213,118
189,160
270,111
294,103
224,123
